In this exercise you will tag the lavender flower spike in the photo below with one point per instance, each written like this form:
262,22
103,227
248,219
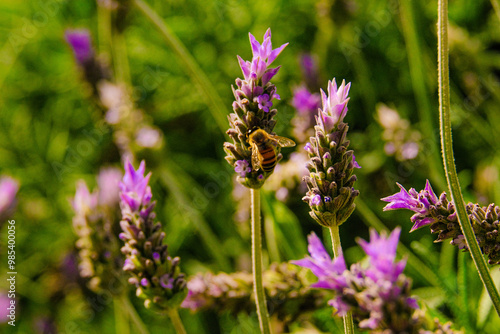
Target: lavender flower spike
253,108
331,167
440,215
378,296
154,273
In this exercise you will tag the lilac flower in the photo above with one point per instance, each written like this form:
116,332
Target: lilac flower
328,271
148,137
440,215
8,191
95,222
334,104
154,273
420,203
263,57
377,296
4,305
108,181
242,167
84,201
135,191
81,43
304,101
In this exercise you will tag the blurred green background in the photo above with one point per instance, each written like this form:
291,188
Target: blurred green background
386,49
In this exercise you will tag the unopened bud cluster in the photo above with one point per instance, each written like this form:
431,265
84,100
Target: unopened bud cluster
331,167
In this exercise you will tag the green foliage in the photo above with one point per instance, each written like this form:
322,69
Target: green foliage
52,134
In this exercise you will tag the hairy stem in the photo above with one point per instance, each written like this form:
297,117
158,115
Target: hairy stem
258,288
337,251
449,160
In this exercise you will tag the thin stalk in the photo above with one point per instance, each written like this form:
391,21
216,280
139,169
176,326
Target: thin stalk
139,325
258,287
190,64
173,314
449,160
337,251
121,318
496,7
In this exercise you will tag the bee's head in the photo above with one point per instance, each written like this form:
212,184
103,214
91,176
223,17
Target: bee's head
252,130
255,134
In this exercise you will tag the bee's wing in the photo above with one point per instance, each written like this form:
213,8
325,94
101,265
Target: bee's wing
255,157
284,142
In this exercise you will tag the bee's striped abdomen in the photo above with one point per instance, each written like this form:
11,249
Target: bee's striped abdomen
268,161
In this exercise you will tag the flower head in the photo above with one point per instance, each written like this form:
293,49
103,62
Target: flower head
304,101
331,164
421,203
378,296
439,214
135,191
253,108
154,273
81,43
108,182
242,167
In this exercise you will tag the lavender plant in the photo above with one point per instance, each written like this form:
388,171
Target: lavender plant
132,128
252,108
252,159
286,286
96,224
440,215
154,273
379,296
331,194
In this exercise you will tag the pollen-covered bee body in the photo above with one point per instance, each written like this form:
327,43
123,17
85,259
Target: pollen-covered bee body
265,148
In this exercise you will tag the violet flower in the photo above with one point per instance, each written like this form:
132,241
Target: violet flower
81,43
96,224
439,214
94,70
154,273
331,167
378,296
8,191
252,107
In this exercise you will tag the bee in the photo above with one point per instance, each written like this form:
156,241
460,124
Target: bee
265,148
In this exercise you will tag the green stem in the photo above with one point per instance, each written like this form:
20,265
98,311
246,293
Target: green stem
337,251
449,160
125,303
258,287
121,318
496,7
190,64
176,321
